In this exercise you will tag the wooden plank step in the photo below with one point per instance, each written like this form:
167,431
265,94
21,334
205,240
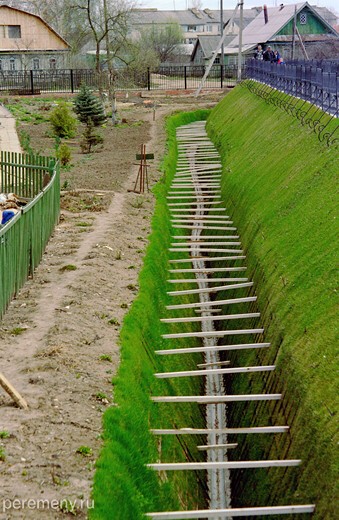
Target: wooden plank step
198,204
206,280
214,318
194,197
213,333
239,464
211,303
208,211
214,371
212,399
221,431
211,289
202,243
215,348
201,219
203,227
209,270
207,258
199,249
232,513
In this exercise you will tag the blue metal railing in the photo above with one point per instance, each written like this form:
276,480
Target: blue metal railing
315,81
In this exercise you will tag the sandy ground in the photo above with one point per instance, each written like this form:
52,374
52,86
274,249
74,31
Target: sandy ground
59,339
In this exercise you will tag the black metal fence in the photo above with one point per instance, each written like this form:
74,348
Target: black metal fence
174,77
314,80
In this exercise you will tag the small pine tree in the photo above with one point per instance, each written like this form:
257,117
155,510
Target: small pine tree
62,121
88,106
90,138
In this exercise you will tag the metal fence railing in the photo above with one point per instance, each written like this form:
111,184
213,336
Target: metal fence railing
315,81
162,78
24,237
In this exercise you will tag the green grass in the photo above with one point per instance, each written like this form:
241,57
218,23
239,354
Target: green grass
278,185
124,487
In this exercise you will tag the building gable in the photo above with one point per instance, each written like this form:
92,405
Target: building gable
22,31
307,22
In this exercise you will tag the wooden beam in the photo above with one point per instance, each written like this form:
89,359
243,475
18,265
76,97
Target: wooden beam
232,513
201,219
194,203
201,243
215,363
211,303
212,289
212,333
193,210
207,318
241,464
213,399
203,249
206,447
9,388
206,280
215,371
208,270
221,431
203,227
216,348
207,258
194,197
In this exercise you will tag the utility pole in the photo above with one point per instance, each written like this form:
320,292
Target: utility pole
241,24
222,52
294,32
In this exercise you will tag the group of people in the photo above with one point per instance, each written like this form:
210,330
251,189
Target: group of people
268,55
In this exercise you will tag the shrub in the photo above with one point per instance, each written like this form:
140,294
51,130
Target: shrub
64,154
62,121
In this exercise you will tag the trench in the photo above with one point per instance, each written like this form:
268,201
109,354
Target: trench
209,236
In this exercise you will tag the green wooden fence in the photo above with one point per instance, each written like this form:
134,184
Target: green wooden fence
23,239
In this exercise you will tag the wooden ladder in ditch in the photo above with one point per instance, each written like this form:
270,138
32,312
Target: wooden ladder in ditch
195,204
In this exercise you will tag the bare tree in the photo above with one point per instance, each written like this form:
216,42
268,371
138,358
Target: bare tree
163,39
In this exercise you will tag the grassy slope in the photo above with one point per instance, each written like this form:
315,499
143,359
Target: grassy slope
124,488
278,185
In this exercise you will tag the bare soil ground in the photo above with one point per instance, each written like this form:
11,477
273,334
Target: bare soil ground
59,339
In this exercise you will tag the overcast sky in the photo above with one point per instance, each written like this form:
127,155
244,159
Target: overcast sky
230,4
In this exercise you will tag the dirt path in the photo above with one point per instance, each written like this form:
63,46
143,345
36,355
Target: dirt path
59,345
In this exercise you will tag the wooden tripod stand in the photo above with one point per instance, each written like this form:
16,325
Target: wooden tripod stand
142,176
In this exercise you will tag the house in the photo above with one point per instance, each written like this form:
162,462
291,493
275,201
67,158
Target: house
193,22
29,43
274,26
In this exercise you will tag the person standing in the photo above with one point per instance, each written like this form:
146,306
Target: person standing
268,54
258,53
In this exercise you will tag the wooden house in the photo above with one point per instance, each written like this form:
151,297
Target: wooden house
29,43
275,27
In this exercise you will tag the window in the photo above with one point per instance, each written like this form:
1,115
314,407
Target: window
192,28
209,28
52,63
303,18
12,64
36,64
14,31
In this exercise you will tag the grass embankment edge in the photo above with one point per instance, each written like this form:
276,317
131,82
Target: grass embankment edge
123,485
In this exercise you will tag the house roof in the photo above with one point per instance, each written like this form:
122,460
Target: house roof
188,16
259,31
38,17
209,45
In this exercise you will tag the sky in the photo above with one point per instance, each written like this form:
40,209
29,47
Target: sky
169,5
